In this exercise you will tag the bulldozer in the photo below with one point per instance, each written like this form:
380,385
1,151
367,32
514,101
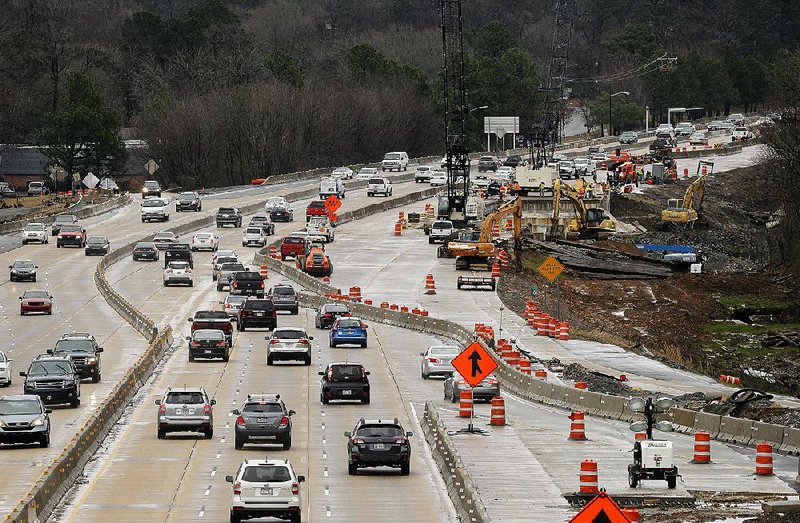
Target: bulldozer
589,223
682,213
476,248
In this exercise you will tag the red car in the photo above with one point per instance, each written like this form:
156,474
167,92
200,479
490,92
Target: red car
72,234
316,208
293,246
35,301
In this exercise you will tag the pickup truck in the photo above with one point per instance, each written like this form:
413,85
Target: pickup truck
226,272
441,230
213,320
179,252
229,216
321,227
331,186
293,246
247,283
316,208
741,134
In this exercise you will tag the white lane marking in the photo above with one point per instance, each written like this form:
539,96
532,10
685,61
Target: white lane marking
202,512
219,454
325,472
327,490
327,511
208,490
324,454
213,471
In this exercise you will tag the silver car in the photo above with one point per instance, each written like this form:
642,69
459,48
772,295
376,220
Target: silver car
164,239
233,304
486,390
178,272
289,343
266,488
226,271
34,232
219,262
436,361
254,236
185,409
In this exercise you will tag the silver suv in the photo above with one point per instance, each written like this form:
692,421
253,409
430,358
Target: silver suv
266,488
263,418
185,409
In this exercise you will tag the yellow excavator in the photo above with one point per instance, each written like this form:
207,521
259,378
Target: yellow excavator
681,213
589,223
476,247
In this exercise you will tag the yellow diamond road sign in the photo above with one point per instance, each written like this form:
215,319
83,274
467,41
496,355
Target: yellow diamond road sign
551,268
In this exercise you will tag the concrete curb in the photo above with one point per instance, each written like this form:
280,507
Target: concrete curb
85,212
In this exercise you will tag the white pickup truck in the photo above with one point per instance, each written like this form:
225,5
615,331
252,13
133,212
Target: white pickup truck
742,133
331,186
320,226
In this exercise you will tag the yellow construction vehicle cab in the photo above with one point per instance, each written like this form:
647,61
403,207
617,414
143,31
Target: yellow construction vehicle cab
476,247
589,223
682,213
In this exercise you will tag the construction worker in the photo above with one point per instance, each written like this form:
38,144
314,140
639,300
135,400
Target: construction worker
590,190
541,188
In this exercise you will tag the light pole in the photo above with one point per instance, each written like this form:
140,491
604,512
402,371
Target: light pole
500,335
488,135
626,93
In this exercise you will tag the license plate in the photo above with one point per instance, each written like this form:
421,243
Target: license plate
347,393
261,420
378,446
258,314
265,491
179,411
207,351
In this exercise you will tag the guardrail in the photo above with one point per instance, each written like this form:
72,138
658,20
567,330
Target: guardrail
84,212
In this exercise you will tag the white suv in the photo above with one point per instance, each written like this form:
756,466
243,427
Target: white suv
34,232
379,186
395,160
154,208
254,236
266,488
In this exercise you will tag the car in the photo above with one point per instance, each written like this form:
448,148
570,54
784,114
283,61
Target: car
224,253
378,443
97,246
229,216
316,208
54,379
226,272
24,419
232,305
505,173
321,226
188,201
282,214
5,370
208,343
34,232
275,201
345,173
71,235
178,252
566,169
698,138
741,134
348,330
263,418
247,283
22,270
726,126
600,160
61,220
252,235
289,343
379,186
395,160
659,144
328,313
214,320
736,119
684,129
145,251
163,240
155,209
264,488
594,149
37,189
514,161
488,163
257,312
628,137
284,297
6,191
344,381
185,409
665,127
714,125
108,184
438,179
315,262
151,188
178,272
481,182
35,300
441,231
84,352
365,173
486,389
436,361
205,241
331,186
584,166
422,173
265,222
293,246
216,265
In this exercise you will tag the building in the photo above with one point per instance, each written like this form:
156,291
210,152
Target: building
20,165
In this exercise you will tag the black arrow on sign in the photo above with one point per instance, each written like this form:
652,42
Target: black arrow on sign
475,357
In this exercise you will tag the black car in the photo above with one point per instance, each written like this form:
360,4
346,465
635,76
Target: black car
265,222
229,216
263,418
514,161
145,251
378,443
257,313
178,252
248,283
188,201
660,144
22,270
54,379
24,419
344,381
487,163
284,297
281,214
84,354
208,343
97,246
328,313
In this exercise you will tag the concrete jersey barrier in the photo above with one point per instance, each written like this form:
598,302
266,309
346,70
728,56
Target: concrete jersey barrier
84,212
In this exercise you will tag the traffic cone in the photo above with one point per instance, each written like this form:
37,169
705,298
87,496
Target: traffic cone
430,285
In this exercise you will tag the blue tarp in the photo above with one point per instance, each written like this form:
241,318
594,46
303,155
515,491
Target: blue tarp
665,248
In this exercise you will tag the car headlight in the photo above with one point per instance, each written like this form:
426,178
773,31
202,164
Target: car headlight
2,424
91,361
38,422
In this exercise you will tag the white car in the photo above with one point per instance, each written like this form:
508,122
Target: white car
155,208
264,488
742,133
35,232
665,128
275,202
345,173
5,370
379,186
423,173
585,166
205,241
436,361
224,253
165,239
684,129
505,173
178,272
254,236
698,138
395,160
366,173
438,178
320,225
481,182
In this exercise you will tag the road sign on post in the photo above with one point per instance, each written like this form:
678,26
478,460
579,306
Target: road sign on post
151,167
90,181
474,364
551,268
333,203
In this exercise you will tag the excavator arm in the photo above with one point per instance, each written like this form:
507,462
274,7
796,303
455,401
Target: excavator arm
514,208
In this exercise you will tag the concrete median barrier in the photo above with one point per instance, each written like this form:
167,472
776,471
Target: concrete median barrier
683,420
768,432
790,443
84,212
735,430
703,421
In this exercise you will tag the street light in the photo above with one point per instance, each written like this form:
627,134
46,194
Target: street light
500,334
626,93
478,108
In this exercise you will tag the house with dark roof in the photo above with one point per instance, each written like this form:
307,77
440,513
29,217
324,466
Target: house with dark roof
20,165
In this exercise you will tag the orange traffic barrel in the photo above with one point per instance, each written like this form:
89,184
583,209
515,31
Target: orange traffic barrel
509,224
563,331
430,285
763,459
512,357
587,483
525,366
581,385
272,251
498,411
541,324
398,229
263,272
540,374
702,447
465,404
495,270
631,513
495,231
278,256
423,312
502,257
415,310
393,307
326,280
553,328
384,305
367,302
577,427
355,294
401,217
403,308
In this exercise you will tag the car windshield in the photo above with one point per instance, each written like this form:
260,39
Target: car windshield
23,264
50,368
258,219
34,227
35,294
368,170
71,228
423,168
265,474
235,300
392,156
336,308
289,334
252,230
151,185
64,219
184,397
283,291
145,245
280,208
226,259
349,324
153,203
16,407
74,346
208,334
263,408
203,236
320,203
226,210
262,305
375,181
164,236
178,265
187,196
234,266
345,372
96,239
442,225
380,431
443,351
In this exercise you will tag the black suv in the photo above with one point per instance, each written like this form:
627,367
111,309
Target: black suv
257,313
328,313
344,381
178,252
514,161
378,443
54,379
263,418
284,297
188,201
84,352
229,216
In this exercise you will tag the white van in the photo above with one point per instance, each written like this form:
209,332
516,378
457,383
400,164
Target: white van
329,186
379,186
395,160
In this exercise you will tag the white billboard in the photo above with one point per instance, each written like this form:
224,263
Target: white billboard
501,125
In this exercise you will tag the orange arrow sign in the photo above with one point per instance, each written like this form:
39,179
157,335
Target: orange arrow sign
474,364
333,203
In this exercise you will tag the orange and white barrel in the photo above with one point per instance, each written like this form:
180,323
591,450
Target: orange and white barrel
577,427
587,483
355,294
702,447
465,404
398,229
631,513
273,250
563,331
498,411
495,270
430,285
525,366
763,459
581,385
540,374
639,436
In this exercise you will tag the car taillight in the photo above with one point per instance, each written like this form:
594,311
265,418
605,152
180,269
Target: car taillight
346,314
433,360
358,441
401,441
327,315
240,421
163,409
188,270
235,285
295,488
462,382
237,487
304,341
274,342
493,382
262,284
284,421
168,270
227,305
221,344
206,409
194,344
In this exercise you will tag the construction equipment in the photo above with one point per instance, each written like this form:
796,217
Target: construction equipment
589,222
681,213
475,282
476,247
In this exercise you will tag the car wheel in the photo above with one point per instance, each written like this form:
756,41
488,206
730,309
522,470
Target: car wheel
295,517
323,399
208,433
270,361
332,344
352,469
364,345
236,518
307,361
405,469
226,357
365,399
671,481
238,442
295,311
219,287
242,326
96,378
49,312
191,356
45,441
287,444
75,402
424,376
